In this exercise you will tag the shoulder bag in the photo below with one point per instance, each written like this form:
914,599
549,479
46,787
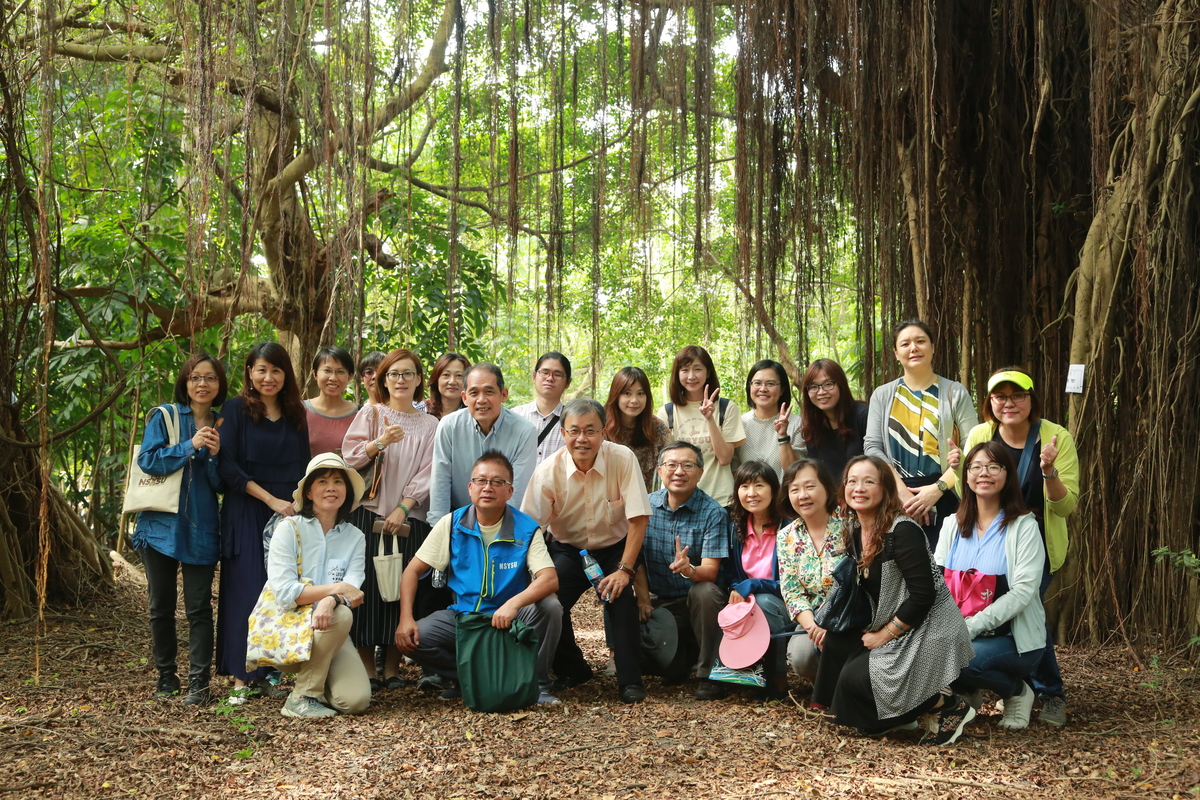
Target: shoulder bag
277,636
154,492
372,474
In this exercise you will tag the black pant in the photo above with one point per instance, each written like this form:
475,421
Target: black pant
843,684
620,616
161,585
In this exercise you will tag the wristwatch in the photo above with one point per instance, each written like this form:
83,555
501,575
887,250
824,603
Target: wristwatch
942,486
1052,475
380,446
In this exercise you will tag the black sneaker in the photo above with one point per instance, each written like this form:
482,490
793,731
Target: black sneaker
711,690
453,691
570,681
197,693
168,686
952,717
633,693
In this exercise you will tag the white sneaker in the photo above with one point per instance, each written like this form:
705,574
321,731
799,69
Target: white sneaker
1017,709
239,695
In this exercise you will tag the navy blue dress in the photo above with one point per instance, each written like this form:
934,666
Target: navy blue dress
274,455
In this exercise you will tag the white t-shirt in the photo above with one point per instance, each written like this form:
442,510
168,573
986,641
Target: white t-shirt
692,427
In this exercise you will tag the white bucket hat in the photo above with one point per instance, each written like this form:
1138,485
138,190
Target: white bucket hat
330,461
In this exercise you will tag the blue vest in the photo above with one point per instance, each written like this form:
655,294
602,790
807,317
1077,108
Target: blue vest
485,577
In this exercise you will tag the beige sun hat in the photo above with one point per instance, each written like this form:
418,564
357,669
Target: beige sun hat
330,461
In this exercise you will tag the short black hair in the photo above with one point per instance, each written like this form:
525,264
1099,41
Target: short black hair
335,353
185,372
560,358
680,444
494,457
489,367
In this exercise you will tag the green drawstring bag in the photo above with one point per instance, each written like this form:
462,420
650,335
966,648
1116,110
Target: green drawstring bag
497,669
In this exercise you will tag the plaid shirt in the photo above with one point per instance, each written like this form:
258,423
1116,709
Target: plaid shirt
701,525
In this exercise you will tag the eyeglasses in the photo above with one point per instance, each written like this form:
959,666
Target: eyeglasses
203,379
817,388
1016,397
991,469
866,483
495,483
397,376
590,433
556,374
764,384
326,372
686,466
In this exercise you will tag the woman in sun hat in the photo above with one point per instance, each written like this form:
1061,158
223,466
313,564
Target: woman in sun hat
331,554
1048,467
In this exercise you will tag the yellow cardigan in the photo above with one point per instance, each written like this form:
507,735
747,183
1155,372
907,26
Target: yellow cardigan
1056,511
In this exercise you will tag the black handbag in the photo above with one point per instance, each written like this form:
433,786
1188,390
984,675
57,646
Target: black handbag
847,607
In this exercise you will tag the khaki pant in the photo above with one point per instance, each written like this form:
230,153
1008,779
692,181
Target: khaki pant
335,673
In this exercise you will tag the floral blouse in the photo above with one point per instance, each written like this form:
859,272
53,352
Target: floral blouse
806,576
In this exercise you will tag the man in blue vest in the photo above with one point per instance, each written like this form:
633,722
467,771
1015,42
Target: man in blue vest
488,550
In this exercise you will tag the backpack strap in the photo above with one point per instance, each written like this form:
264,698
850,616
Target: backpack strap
670,409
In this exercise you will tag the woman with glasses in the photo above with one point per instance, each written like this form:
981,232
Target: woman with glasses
188,541
367,367
399,440
551,377
772,432
697,414
264,452
992,553
445,385
884,677
330,413
1048,474
916,423
834,424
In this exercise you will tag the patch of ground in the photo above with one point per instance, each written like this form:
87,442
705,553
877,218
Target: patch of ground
88,730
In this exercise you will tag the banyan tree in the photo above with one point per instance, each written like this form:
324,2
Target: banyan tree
1019,174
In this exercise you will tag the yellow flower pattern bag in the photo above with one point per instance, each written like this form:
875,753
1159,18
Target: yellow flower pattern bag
279,637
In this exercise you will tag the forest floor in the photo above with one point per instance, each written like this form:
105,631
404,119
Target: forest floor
89,730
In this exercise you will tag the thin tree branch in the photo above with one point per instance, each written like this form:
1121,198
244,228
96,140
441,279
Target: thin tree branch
113,55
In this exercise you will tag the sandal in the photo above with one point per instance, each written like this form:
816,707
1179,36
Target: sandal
394,682
376,685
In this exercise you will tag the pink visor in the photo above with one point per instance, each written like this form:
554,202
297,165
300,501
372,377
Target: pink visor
746,634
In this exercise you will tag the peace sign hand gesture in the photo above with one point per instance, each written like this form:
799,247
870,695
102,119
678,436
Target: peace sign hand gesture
681,562
710,401
781,423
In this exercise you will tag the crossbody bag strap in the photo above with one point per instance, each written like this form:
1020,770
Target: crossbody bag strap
1027,454
546,430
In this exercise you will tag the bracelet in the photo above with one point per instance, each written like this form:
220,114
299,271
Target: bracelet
784,440
898,627
402,507
345,602
689,577
628,570
336,602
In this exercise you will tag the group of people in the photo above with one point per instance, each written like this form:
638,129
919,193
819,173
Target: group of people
718,525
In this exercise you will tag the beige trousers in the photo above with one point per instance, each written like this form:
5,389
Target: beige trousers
335,673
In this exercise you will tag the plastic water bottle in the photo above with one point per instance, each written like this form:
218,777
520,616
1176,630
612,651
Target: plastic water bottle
593,571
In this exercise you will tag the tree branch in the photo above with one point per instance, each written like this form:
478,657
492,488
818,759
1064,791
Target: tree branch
435,65
111,26
110,55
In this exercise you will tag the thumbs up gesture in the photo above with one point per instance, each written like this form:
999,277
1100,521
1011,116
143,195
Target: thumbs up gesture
954,457
1049,454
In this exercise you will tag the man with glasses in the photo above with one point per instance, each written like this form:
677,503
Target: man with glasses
590,495
686,539
482,424
551,377
489,551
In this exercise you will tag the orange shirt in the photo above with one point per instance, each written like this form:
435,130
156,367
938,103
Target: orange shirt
588,509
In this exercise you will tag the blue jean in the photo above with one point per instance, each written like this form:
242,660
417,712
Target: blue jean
1046,679
997,666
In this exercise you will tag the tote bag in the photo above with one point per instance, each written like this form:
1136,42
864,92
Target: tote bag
278,636
496,668
389,567
154,492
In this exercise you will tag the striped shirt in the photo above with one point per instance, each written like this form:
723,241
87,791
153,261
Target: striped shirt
913,432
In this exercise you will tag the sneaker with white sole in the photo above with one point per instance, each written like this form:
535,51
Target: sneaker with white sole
1017,709
547,699
1054,711
238,695
952,718
299,706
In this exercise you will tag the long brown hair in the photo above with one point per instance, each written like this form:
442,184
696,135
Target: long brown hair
389,361
643,425
814,426
290,402
433,406
693,352
890,507
1012,499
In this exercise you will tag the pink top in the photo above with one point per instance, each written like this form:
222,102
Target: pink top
758,553
407,464
325,434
